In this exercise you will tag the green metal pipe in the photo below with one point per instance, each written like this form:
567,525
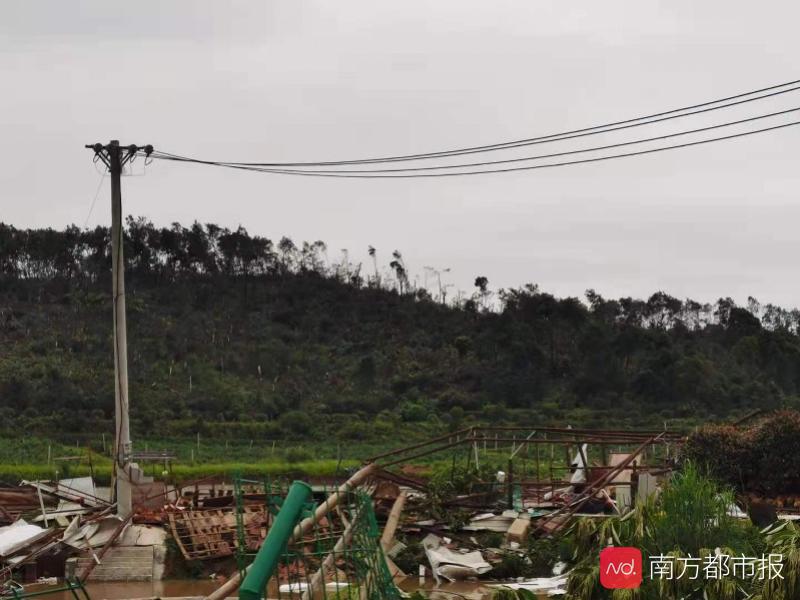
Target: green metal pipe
266,561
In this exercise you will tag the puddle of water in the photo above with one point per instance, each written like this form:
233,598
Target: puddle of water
122,590
469,590
173,588
457,590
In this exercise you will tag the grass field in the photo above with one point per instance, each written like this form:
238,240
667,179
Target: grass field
41,458
37,458
27,458
74,454
14,473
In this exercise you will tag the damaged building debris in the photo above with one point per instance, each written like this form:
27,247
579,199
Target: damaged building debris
460,506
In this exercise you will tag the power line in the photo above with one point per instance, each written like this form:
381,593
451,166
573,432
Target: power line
552,155
96,195
172,157
702,107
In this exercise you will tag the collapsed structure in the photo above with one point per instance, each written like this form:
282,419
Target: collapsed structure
512,481
451,507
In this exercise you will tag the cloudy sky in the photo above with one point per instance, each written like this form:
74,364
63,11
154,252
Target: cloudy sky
308,80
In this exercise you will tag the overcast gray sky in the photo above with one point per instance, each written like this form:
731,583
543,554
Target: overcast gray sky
299,80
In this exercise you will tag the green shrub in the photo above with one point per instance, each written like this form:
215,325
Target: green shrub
759,458
297,454
689,518
543,554
511,566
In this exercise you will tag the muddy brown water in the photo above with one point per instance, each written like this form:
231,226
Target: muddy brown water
471,590
122,590
187,588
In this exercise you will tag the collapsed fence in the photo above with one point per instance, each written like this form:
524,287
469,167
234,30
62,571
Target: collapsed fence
330,551
530,467
334,549
341,557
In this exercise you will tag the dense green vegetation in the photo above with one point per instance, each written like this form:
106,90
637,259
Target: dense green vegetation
687,520
758,457
235,337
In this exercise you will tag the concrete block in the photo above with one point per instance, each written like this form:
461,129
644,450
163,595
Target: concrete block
518,532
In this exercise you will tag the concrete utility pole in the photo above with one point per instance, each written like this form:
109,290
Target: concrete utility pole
127,473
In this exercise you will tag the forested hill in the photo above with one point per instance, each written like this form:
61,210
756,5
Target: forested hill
228,327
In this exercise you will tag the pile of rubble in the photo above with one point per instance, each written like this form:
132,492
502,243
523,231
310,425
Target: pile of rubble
69,529
467,527
46,523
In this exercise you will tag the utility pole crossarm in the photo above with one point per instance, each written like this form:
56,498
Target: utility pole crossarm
115,157
104,153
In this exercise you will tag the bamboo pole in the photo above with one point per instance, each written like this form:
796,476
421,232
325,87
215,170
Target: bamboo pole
318,578
331,502
393,520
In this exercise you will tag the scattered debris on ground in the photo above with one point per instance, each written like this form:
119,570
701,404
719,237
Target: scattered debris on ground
486,504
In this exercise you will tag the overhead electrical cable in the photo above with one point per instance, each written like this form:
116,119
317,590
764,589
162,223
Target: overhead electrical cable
342,175
552,155
94,200
675,113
